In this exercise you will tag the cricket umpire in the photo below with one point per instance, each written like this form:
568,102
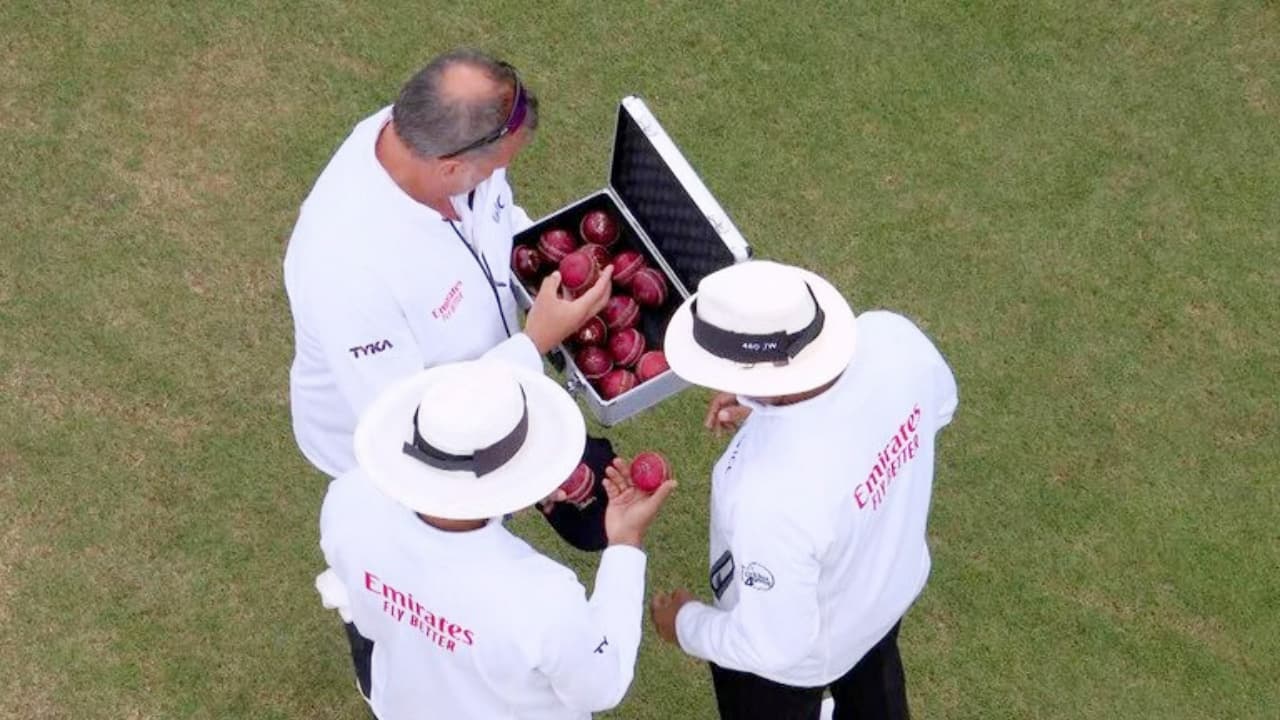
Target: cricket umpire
465,619
819,503
400,260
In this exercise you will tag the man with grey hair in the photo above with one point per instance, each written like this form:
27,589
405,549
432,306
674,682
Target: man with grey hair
400,256
400,260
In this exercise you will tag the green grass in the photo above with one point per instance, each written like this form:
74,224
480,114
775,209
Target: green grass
1078,200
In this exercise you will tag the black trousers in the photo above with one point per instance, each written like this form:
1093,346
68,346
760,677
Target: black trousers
361,658
874,689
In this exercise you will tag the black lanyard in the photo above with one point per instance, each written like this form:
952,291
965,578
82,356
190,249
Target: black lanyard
488,274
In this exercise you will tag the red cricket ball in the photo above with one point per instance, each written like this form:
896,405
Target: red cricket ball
594,362
599,227
581,483
649,288
526,262
578,271
651,365
626,347
621,312
625,266
615,383
649,470
597,253
555,243
592,332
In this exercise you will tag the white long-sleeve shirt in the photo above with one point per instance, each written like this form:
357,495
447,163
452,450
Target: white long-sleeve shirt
818,513
478,624
381,286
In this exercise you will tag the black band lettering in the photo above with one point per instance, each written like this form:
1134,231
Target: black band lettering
778,347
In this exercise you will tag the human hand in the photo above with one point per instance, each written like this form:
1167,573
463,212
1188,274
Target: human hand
554,317
548,502
724,412
663,609
630,511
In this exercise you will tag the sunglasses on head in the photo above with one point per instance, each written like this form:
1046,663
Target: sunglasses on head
519,110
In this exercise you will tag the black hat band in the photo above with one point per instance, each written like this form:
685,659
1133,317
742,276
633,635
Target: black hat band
778,348
481,462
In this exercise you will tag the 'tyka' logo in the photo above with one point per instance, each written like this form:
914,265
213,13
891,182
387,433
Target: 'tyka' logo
372,348
757,576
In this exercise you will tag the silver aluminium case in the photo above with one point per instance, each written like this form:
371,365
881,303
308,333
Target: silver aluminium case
676,221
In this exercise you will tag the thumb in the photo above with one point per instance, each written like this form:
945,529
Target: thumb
550,284
660,495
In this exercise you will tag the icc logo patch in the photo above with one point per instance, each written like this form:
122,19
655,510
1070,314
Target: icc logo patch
757,576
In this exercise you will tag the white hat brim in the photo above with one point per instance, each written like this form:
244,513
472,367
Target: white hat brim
818,363
551,450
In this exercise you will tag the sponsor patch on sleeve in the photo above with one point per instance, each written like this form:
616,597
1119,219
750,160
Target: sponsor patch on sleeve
757,577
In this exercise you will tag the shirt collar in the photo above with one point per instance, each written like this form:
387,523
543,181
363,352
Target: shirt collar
459,202
798,408
479,537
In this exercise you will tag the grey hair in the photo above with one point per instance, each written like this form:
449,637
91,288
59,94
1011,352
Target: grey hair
434,123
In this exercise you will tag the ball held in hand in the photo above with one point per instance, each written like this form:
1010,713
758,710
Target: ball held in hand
578,271
649,470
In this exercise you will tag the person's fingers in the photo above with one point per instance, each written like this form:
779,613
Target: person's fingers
623,470
681,596
660,495
594,299
718,403
612,488
729,418
559,496
550,284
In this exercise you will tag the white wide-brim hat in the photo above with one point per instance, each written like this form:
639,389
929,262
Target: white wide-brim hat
755,329
457,409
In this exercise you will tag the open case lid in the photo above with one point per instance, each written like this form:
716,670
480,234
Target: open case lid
668,200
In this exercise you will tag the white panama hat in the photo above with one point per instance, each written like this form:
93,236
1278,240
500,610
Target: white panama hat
761,329
470,440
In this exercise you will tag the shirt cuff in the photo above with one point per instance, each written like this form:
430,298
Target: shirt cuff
520,218
620,565
333,594
689,620
518,350
618,597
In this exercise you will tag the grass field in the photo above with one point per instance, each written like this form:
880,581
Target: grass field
1080,201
